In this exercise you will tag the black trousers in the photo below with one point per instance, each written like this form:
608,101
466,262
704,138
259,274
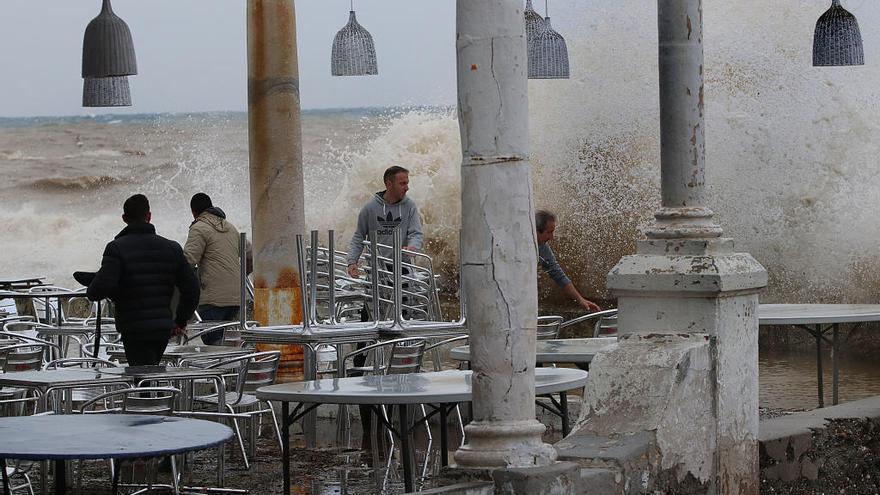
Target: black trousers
209,312
143,352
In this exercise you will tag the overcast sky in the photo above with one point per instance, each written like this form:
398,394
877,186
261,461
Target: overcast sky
192,54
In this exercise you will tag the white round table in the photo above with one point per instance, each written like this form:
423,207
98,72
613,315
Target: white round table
442,387
573,351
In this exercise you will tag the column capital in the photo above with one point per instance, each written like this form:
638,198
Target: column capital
687,267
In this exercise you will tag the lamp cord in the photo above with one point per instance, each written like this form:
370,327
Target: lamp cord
546,8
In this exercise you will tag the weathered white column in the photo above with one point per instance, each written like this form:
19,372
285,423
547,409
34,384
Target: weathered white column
499,252
276,177
681,387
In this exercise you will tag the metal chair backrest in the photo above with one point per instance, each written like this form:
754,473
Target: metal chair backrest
10,319
406,357
23,357
231,333
434,349
605,326
548,327
48,314
80,362
249,372
139,400
31,328
261,370
88,349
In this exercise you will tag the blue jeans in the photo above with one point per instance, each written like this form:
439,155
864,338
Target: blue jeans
209,312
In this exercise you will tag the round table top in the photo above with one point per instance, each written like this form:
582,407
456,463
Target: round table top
294,334
411,388
194,351
577,351
38,295
105,436
812,314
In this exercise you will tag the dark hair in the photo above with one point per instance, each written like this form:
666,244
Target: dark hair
391,172
135,208
542,217
200,202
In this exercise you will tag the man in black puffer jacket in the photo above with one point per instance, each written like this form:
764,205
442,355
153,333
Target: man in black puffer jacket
138,273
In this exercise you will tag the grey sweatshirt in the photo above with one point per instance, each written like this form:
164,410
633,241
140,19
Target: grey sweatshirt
548,262
379,216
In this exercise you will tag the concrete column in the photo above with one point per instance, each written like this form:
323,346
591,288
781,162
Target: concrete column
276,177
499,252
683,210
681,387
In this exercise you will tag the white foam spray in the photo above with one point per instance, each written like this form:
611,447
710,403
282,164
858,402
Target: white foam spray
791,157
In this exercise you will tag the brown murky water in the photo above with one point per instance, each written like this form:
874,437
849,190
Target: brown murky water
788,379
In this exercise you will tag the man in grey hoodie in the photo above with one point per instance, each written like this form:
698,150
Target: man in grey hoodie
384,212
545,225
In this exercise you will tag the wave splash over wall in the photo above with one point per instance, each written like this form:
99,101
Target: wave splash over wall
791,157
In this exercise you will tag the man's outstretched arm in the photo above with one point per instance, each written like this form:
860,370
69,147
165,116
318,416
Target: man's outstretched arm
571,291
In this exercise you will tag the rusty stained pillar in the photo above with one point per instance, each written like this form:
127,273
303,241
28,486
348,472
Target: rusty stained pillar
276,177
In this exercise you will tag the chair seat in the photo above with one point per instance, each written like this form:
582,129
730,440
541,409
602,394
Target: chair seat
232,399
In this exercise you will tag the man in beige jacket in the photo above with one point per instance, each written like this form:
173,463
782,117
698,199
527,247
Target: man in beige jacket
212,247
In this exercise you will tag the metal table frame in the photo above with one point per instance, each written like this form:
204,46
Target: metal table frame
818,320
174,374
442,406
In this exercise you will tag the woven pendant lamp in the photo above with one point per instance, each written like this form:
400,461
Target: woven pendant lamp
548,54
837,40
534,22
354,53
108,59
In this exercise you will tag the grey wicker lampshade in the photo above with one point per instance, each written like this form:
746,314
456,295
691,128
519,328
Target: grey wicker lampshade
354,53
108,59
534,22
837,40
548,54
106,92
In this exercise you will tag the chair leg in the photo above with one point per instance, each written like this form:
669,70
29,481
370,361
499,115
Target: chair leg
30,485
247,464
275,424
460,422
252,434
390,434
427,426
174,476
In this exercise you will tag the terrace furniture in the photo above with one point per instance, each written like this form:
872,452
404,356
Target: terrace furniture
557,351
176,354
45,382
548,327
817,320
445,388
605,322
247,373
102,436
180,377
139,400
